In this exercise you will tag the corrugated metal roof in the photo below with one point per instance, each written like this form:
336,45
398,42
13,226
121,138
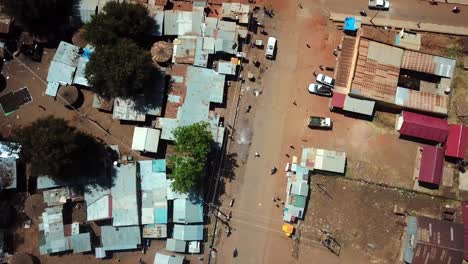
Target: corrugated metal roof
176,245
422,126
345,62
121,238
184,49
165,259
136,110
411,233
385,54
432,165
373,79
155,231
226,67
56,196
80,242
153,192
203,86
124,200
354,105
236,11
158,17
457,141
226,46
188,232
188,211
427,63
177,22
146,139
438,242
321,159
60,73
51,231
338,100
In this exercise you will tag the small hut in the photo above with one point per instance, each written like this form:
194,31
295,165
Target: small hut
69,93
161,51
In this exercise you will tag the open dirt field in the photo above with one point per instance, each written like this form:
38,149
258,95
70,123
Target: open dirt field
361,218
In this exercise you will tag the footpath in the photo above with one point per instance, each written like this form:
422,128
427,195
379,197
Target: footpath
395,23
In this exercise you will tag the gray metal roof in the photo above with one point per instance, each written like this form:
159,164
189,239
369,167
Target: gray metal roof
56,196
165,259
385,54
158,17
203,86
121,238
184,49
51,232
226,67
444,66
80,72
98,202
411,233
177,22
80,242
227,25
188,232
322,159
124,196
153,192
226,46
176,245
359,106
188,211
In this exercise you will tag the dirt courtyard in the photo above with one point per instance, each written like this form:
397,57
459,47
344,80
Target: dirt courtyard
361,218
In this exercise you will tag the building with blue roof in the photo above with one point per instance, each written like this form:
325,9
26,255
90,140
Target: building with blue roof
63,68
188,211
122,238
124,196
188,232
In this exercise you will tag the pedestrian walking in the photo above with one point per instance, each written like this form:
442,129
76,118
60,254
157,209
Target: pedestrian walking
287,155
294,103
308,45
291,146
257,154
321,67
273,199
300,5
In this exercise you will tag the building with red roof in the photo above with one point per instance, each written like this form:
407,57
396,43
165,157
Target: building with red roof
432,165
423,126
457,141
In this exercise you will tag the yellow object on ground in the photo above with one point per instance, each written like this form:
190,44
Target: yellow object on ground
288,229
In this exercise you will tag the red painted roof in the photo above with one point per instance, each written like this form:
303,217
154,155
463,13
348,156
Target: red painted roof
425,127
465,227
457,141
338,100
432,165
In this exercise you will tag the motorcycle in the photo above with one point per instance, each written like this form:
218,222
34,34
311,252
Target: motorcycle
234,253
273,170
247,110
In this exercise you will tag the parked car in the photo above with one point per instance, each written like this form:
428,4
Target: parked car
270,48
320,122
326,80
320,89
379,4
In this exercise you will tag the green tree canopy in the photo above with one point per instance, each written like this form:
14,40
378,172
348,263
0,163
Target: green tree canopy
119,20
40,17
119,70
54,148
192,146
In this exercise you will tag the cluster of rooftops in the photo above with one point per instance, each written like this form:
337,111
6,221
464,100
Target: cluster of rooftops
139,203
195,81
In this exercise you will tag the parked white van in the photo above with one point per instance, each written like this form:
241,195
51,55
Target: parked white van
270,48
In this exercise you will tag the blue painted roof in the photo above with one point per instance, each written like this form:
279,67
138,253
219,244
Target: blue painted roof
188,232
350,24
159,165
411,231
160,215
188,210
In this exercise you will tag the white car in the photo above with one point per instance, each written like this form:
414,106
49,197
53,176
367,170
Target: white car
270,48
319,89
324,79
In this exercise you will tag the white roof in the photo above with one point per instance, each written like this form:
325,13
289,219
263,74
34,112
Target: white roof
146,139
